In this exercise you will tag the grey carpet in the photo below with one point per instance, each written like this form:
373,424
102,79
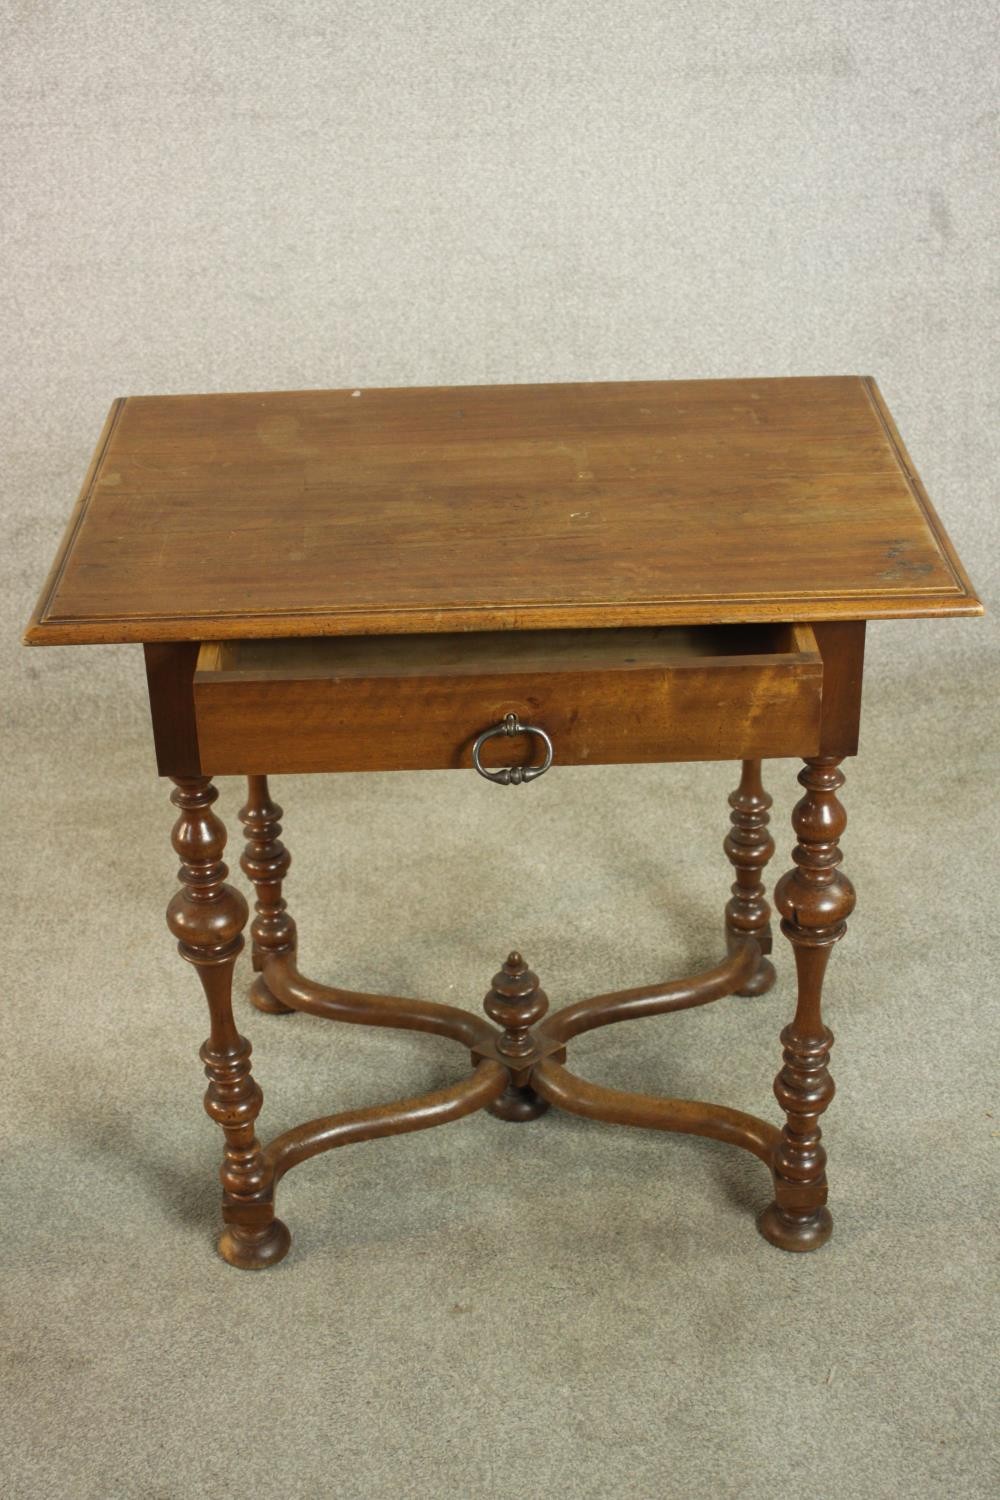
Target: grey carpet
230,197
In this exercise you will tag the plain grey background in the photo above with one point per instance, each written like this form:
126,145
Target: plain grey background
243,196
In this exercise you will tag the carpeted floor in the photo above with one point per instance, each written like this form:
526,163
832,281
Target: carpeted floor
221,197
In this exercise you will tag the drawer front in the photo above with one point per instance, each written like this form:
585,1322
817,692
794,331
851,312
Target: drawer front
418,703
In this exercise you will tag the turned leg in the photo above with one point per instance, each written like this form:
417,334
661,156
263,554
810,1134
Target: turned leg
266,862
749,846
207,918
815,900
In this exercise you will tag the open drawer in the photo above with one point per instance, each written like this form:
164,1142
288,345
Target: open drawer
418,702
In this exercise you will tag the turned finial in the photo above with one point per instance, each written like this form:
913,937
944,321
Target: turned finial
515,1002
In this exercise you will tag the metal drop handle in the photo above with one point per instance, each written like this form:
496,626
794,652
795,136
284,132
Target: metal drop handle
512,775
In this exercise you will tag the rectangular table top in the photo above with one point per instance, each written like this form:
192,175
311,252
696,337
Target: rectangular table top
498,507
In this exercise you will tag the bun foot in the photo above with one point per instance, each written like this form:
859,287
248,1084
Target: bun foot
763,978
799,1232
257,1250
518,1104
261,997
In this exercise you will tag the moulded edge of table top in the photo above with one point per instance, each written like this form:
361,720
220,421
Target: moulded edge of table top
701,609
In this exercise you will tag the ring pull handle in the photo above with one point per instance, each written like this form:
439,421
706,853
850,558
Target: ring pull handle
512,775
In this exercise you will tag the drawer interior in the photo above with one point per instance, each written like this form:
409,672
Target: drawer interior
504,653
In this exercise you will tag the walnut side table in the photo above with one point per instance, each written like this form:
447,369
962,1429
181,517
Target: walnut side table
510,576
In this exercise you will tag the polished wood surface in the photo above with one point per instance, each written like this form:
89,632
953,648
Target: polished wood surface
439,1107
815,899
170,669
647,1000
334,1004
506,507
841,645
749,846
207,917
367,580
579,1096
519,1067
396,703
265,861
516,1002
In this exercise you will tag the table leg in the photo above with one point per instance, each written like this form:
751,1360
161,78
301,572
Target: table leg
749,846
207,918
815,900
266,862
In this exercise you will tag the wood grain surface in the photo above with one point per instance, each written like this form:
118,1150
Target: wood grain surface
497,508
399,703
